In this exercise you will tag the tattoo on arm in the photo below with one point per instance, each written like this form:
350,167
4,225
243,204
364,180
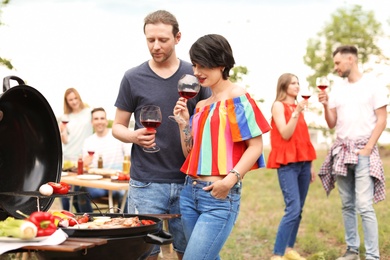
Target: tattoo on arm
188,138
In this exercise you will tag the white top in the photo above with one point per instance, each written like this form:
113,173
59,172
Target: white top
112,150
356,104
79,128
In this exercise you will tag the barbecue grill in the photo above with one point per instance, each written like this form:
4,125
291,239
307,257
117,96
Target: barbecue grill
31,155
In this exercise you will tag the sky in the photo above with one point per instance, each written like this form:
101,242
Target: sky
89,44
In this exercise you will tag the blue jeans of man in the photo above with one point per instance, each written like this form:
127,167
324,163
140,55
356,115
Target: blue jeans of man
294,181
158,198
357,192
207,221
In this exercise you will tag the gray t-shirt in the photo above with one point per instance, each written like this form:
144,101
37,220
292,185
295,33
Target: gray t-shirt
140,86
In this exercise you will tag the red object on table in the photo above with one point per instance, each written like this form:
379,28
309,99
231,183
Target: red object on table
80,166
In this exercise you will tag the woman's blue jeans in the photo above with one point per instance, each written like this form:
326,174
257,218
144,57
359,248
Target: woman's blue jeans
357,192
294,181
207,221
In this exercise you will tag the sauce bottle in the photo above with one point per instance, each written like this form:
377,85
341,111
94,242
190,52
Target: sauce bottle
126,165
80,165
100,162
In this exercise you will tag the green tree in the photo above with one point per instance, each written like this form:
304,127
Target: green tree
352,26
3,61
236,75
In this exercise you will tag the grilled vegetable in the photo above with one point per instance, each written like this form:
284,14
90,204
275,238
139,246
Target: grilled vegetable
59,188
18,228
46,189
44,221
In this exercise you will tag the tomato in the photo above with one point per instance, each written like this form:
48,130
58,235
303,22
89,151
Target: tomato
83,219
146,222
123,177
75,219
59,188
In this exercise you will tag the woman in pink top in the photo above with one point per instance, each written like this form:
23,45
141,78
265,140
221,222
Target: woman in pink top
221,142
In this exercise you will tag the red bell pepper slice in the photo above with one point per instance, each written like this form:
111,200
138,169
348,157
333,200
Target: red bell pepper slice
59,188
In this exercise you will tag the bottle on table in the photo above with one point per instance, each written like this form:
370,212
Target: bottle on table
126,165
100,162
80,165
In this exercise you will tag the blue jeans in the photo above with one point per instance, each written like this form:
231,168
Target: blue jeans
294,181
158,198
357,192
207,221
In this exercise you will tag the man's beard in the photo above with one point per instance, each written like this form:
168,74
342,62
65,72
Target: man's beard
345,74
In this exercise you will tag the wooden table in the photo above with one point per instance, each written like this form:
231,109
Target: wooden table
104,183
71,244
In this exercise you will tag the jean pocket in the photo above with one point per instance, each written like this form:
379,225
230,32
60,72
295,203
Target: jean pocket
139,184
213,197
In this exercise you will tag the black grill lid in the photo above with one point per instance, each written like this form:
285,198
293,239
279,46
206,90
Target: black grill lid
30,147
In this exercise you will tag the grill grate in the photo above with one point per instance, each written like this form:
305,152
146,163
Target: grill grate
39,196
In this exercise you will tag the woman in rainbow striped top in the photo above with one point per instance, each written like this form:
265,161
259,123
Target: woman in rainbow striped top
222,141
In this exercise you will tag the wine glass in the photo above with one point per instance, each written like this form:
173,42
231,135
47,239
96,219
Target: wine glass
322,83
151,118
188,87
64,119
306,94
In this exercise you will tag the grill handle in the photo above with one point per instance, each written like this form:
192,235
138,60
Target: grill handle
6,80
160,238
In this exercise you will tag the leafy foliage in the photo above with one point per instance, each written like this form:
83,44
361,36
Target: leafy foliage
352,26
237,73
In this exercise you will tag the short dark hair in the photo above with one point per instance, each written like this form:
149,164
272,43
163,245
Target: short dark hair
97,109
211,51
162,16
346,49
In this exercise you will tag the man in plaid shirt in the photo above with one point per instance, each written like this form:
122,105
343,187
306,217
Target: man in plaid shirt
356,108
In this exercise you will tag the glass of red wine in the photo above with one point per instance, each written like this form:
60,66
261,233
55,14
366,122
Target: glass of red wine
151,118
305,94
322,83
188,87
65,119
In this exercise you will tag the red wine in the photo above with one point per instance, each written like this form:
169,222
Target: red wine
306,96
151,123
322,87
91,152
187,94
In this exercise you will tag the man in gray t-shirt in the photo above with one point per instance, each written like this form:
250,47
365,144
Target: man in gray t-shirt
156,180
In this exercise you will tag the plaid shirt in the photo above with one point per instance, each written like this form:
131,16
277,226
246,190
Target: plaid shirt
337,165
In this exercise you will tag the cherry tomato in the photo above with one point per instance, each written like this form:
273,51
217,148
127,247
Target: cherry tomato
146,222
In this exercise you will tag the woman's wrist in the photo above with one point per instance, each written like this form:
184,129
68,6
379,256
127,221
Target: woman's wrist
237,174
295,114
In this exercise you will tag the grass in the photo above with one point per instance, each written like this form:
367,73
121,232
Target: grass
321,234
